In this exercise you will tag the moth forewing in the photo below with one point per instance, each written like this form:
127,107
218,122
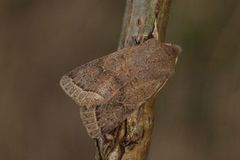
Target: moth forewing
110,88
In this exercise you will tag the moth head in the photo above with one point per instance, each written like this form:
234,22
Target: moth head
172,50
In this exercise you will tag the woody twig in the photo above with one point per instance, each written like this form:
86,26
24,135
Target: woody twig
131,140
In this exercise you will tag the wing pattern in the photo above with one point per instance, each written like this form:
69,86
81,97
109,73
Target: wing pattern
110,88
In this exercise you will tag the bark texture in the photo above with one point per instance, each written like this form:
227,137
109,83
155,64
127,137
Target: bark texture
132,139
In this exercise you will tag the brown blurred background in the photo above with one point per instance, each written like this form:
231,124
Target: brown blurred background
197,113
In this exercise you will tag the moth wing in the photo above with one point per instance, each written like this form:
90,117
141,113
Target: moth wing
110,88
128,100
92,82
79,95
100,114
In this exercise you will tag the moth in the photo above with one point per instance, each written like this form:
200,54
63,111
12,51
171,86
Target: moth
110,88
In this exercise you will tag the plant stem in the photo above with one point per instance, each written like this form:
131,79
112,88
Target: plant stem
132,139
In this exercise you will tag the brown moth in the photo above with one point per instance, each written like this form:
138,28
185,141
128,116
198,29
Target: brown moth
110,88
